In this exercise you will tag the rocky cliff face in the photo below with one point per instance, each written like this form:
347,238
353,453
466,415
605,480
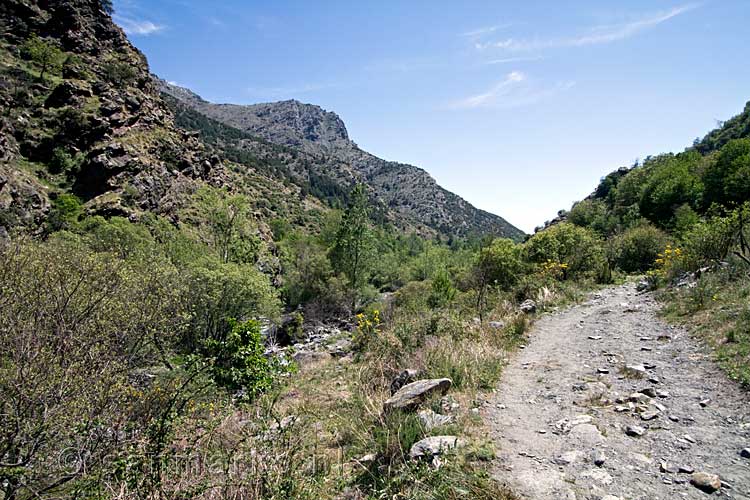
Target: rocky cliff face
410,193
96,125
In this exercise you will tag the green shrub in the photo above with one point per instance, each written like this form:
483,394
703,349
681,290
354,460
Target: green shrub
500,264
238,361
727,179
65,213
44,54
443,292
709,241
580,249
119,73
637,248
593,214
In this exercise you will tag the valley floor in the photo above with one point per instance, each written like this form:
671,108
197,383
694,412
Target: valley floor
567,403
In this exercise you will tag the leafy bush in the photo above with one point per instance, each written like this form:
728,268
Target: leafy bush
637,248
238,361
65,213
443,291
594,214
709,241
120,73
728,178
44,54
577,247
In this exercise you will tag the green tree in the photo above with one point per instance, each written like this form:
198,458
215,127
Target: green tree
353,247
727,179
498,265
580,248
225,223
46,55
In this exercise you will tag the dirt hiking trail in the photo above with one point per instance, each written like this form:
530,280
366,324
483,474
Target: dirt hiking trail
570,421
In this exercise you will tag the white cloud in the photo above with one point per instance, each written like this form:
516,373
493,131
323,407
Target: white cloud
138,27
480,32
499,89
512,91
596,36
507,60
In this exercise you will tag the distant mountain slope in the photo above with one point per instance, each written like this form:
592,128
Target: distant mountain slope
410,193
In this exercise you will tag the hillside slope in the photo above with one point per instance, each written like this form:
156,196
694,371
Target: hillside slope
95,126
409,192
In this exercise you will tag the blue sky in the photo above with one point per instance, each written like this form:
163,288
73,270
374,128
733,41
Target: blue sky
519,107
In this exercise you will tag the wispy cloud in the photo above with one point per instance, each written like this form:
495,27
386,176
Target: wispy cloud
507,60
512,91
138,26
596,36
487,30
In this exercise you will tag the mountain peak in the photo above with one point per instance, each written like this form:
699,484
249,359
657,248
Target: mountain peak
335,162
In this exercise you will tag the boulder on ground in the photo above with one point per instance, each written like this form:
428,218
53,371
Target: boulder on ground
435,445
412,395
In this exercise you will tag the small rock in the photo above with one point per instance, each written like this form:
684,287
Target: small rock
648,391
528,306
430,419
704,403
745,453
602,371
498,325
689,438
599,459
706,482
665,468
685,469
662,394
649,415
639,397
367,459
637,369
634,431
587,434
595,337
434,445
674,418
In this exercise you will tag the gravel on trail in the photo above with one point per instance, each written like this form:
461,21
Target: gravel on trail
608,402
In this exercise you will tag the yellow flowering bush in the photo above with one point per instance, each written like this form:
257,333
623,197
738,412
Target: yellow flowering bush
667,262
368,327
553,269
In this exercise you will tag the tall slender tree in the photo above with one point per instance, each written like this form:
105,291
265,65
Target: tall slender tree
352,251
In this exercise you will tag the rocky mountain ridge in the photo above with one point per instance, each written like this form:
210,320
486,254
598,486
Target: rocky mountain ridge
408,191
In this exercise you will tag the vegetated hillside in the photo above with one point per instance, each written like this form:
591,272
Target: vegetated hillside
673,191
413,196
84,122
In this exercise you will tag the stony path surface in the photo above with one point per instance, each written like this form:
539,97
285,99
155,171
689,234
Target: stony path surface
561,414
